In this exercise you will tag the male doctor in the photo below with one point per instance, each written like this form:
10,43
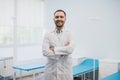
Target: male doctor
57,47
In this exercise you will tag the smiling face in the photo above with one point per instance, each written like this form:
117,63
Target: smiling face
59,19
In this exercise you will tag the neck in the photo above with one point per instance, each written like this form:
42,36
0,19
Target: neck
59,28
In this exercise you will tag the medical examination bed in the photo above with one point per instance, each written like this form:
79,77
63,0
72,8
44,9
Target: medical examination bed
87,66
29,67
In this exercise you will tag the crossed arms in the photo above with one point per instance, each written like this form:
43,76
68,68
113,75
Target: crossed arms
52,51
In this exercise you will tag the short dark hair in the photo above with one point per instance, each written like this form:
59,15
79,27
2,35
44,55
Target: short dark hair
60,10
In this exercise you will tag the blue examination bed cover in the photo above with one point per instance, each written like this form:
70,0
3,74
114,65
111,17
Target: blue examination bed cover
115,76
86,66
28,67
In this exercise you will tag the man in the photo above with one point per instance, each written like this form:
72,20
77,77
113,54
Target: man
57,47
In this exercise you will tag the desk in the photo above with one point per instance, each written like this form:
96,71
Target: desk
115,76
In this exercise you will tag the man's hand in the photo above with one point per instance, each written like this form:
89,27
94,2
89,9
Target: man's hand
67,44
51,48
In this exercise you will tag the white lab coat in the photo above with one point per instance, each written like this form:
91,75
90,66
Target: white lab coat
58,67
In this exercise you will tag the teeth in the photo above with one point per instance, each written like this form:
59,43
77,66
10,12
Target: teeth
59,22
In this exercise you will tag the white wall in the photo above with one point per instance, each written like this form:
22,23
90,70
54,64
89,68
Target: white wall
95,24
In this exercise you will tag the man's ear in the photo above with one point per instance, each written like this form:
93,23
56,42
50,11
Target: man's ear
53,19
65,18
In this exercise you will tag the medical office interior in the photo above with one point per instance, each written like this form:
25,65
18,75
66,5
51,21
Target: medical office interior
94,23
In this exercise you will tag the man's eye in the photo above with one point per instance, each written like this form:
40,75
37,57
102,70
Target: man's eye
57,17
61,17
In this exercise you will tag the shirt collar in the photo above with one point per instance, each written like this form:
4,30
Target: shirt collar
58,31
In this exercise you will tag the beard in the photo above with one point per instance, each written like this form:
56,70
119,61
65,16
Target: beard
59,24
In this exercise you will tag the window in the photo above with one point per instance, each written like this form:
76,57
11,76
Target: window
21,23
6,24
